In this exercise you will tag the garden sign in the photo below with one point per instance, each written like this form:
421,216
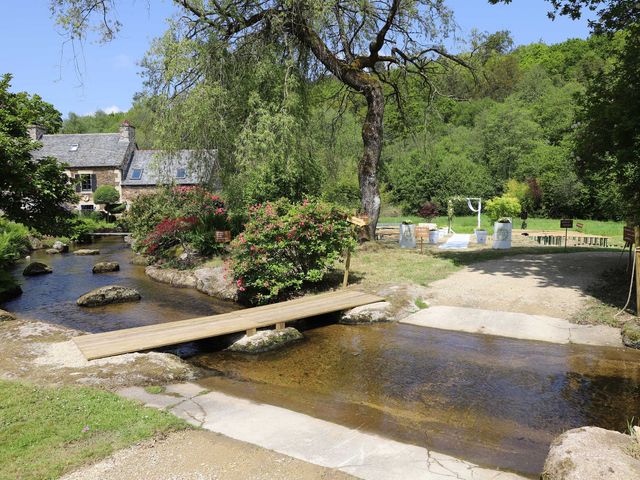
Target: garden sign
566,223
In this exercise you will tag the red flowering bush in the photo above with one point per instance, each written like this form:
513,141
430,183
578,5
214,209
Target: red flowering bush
167,234
184,215
428,211
286,246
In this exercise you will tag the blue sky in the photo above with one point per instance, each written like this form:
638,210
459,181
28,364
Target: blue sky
35,53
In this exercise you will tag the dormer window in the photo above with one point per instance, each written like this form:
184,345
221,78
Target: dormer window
136,174
73,147
181,173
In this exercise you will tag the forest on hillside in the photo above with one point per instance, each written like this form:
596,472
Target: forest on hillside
512,122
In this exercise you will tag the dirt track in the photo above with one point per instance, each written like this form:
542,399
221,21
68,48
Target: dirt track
555,284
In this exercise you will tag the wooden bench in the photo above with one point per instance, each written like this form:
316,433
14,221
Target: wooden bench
388,231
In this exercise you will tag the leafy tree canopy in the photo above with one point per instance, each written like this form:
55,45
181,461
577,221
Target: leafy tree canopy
32,192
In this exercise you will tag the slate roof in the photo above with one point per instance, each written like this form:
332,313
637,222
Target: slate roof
160,167
94,149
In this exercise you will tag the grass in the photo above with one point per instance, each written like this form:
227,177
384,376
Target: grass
609,296
154,389
46,431
467,224
375,264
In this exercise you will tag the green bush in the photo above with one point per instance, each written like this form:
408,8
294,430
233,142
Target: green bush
14,242
345,192
286,246
499,208
82,226
105,195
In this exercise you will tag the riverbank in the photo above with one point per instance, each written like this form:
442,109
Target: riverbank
379,370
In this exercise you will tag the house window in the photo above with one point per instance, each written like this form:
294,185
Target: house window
85,183
136,174
181,173
73,147
87,207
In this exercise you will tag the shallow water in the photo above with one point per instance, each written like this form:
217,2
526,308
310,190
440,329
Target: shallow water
52,297
493,401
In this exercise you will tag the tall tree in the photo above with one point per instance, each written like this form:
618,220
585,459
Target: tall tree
366,45
33,192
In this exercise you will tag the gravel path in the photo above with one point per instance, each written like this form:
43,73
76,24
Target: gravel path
201,455
554,285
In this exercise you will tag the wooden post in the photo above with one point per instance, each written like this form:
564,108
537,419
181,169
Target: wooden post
251,332
347,264
637,238
280,326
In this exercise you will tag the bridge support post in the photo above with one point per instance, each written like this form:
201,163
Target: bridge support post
251,332
280,326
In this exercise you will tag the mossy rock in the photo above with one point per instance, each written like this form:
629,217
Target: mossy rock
266,340
108,295
36,268
106,267
631,334
87,251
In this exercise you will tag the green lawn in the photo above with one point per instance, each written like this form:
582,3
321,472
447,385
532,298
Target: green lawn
466,224
46,431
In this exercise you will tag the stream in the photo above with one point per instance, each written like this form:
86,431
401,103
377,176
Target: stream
494,401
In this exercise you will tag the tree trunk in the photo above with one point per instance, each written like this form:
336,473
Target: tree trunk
368,166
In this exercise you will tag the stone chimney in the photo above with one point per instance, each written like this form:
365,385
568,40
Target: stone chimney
36,132
127,132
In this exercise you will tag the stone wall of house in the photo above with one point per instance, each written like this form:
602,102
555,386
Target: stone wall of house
130,193
103,176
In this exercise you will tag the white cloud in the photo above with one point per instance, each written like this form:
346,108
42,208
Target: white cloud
112,109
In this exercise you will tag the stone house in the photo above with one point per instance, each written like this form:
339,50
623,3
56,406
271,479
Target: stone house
96,159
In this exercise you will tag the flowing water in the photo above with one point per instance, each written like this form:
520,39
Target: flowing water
493,401
52,297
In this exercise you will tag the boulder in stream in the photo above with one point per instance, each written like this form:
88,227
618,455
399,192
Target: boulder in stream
212,281
6,316
36,268
593,453
266,340
35,243
172,276
87,251
108,295
372,313
61,247
53,251
105,267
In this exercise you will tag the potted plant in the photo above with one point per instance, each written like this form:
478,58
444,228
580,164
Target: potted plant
407,234
429,211
481,236
500,211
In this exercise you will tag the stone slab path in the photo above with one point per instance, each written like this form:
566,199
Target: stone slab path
363,455
457,241
514,325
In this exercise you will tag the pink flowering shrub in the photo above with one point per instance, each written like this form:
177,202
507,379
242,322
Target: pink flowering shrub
184,215
286,246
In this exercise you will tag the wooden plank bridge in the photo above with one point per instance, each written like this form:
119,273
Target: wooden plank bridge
129,340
